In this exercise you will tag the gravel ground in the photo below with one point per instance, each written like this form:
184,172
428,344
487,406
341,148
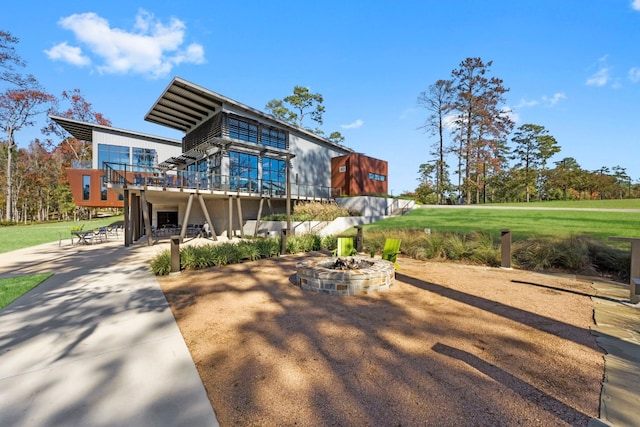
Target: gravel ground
447,345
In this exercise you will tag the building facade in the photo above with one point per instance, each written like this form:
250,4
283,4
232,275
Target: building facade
355,174
234,163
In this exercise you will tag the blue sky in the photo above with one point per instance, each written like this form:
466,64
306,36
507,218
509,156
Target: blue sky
571,66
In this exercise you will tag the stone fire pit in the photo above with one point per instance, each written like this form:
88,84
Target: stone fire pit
345,276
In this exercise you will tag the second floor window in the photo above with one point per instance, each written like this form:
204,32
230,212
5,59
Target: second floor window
242,130
143,158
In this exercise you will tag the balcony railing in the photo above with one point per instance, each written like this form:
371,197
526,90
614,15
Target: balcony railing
149,177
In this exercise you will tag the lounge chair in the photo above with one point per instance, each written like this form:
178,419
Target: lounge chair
391,250
344,247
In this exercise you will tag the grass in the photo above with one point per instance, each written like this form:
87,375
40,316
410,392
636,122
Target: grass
14,287
579,204
23,236
522,223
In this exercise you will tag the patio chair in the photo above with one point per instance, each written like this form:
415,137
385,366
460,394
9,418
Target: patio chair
391,250
344,247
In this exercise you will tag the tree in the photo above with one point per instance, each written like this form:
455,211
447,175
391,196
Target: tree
534,146
294,108
73,105
437,101
336,138
9,59
483,124
18,109
565,175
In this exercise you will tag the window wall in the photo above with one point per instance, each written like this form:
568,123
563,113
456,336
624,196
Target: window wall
273,176
112,154
256,133
243,171
142,158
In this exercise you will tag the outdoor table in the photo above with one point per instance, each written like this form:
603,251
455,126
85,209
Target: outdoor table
634,276
82,236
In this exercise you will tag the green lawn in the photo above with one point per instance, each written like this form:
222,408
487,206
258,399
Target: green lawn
522,223
587,204
14,287
23,236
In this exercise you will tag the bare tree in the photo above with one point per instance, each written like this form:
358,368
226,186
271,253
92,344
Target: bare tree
437,101
18,109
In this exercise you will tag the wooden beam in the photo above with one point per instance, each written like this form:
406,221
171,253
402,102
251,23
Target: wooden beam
239,214
145,217
255,231
187,213
207,217
230,222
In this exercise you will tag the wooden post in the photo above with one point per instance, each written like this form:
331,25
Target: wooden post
506,248
187,213
634,274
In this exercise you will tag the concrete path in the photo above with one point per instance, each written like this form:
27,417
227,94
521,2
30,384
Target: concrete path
96,344
618,333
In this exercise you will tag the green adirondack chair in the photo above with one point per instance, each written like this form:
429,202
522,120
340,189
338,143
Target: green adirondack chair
344,247
391,250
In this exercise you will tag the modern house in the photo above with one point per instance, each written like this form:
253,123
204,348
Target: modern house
111,145
234,163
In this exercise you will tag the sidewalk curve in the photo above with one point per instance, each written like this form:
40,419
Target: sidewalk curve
95,345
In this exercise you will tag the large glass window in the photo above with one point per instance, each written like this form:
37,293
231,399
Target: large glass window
86,187
143,158
243,171
112,154
273,176
242,130
273,138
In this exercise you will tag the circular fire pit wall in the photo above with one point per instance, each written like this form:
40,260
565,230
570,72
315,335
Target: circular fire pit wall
318,275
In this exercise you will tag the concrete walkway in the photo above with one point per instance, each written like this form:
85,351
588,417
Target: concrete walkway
96,344
618,332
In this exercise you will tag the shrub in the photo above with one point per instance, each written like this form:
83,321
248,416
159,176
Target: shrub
268,247
161,263
485,251
248,251
434,246
189,258
455,247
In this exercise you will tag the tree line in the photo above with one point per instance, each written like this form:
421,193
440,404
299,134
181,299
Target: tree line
36,186
469,120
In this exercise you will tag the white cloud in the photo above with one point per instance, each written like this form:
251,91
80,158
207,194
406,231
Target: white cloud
527,103
71,54
151,48
557,97
635,4
634,73
355,125
602,76
450,122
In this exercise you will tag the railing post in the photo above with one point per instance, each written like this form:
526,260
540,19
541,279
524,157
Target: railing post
506,248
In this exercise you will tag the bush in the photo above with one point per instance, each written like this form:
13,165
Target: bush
485,251
268,247
312,211
161,263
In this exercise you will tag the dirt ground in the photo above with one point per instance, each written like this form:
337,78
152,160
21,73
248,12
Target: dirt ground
447,345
